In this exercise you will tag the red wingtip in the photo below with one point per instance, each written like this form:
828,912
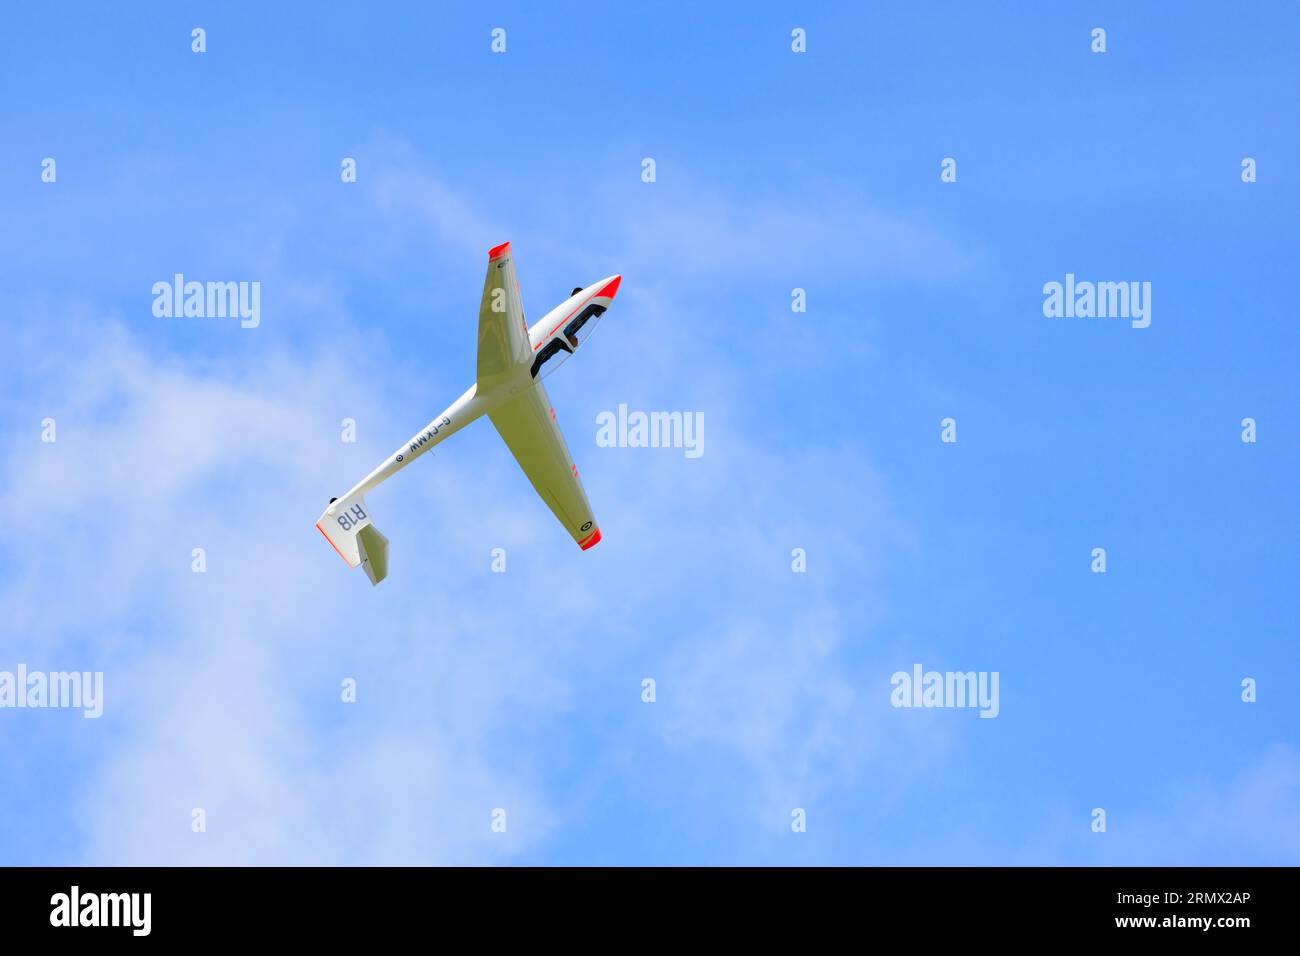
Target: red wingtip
590,541
498,251
611,288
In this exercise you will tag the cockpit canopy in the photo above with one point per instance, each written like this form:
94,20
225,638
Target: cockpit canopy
564,341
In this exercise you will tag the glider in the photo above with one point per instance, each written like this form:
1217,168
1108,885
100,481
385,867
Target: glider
512,361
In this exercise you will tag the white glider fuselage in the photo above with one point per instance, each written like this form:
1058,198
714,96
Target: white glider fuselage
510,365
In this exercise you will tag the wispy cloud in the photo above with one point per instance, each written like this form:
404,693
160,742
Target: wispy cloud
223,687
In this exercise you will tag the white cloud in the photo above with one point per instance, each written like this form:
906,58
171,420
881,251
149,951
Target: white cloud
222,691
223,687
1252,818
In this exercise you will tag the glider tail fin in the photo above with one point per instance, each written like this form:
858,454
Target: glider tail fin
347,526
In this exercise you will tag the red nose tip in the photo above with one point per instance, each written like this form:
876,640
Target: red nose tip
611,288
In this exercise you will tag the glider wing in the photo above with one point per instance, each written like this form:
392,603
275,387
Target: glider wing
527,423
502,330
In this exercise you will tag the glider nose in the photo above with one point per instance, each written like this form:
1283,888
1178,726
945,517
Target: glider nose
609,288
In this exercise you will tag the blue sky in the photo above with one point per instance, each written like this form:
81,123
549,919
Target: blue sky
522,690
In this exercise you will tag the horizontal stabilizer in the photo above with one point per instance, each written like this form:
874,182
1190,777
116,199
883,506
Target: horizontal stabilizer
374,553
